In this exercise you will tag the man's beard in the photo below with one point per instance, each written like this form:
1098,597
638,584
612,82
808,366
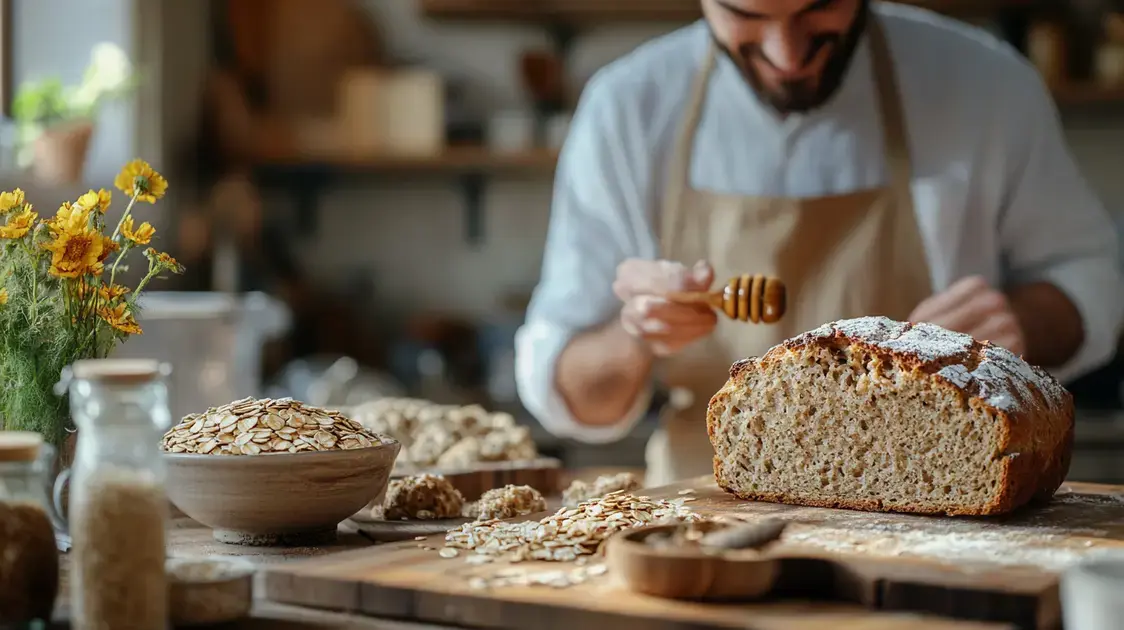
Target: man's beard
806,95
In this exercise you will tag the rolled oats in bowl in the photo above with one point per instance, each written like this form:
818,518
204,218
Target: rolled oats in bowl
266,426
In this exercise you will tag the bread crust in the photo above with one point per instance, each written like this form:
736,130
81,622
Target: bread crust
1034,412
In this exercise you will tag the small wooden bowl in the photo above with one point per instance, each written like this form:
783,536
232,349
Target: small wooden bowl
690,572
278,498
204,591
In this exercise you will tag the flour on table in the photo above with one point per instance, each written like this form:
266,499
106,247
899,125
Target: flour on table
1016,548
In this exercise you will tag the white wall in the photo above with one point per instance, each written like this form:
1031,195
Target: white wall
54,38
410,236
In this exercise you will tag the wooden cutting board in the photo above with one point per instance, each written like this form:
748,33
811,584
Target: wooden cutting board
987,569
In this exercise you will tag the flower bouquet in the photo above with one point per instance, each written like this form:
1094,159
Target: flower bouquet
60,300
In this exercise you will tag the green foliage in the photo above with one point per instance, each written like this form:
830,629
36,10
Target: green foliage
43,102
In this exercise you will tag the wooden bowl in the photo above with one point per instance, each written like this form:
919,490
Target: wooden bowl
688,572
209,590
278,498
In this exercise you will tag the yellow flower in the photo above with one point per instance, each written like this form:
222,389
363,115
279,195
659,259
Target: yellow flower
120,318
69,218
3,297
11,200
95,200
113,292
106,293
141,236
18,224
139,180
160,259
76,253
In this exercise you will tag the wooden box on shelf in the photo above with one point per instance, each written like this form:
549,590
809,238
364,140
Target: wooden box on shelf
395,112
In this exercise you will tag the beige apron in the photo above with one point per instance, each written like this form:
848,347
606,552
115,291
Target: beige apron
839,256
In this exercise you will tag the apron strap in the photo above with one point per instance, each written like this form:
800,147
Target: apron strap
679,167
895,137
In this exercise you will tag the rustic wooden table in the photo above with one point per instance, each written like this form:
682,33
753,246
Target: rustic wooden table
188,538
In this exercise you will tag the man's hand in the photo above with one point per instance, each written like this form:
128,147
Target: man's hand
666,327
973,307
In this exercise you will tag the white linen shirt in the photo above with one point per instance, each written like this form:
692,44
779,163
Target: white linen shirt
995,188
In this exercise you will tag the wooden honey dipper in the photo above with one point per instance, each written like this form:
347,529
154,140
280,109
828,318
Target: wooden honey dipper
753,298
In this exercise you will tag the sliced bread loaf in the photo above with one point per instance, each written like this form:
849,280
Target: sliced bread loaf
874,414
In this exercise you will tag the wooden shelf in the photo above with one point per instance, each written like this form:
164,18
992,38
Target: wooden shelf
452,161
593,12
306,176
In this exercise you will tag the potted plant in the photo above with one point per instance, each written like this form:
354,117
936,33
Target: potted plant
54,122
60,299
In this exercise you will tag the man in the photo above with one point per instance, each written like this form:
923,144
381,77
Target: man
879,159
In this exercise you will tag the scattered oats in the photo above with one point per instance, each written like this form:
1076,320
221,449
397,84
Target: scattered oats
419,537
568,534
448,552
421,497
266,426
687,491
553,578
580,491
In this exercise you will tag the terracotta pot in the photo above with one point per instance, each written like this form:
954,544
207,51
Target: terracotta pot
60,153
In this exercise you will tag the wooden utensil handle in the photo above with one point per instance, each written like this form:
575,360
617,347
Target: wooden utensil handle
713,300
748,298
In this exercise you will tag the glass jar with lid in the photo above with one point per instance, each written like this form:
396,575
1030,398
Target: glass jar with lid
118,509
29,564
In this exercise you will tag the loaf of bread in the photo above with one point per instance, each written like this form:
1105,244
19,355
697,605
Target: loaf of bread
874,414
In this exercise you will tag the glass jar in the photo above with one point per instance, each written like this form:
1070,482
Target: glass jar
118,509
29,561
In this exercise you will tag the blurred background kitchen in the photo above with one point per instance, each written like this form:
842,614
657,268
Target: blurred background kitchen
360,189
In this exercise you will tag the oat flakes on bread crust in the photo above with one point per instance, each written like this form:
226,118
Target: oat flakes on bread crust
874,414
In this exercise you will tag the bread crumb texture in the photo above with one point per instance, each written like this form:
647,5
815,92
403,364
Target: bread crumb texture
875,414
